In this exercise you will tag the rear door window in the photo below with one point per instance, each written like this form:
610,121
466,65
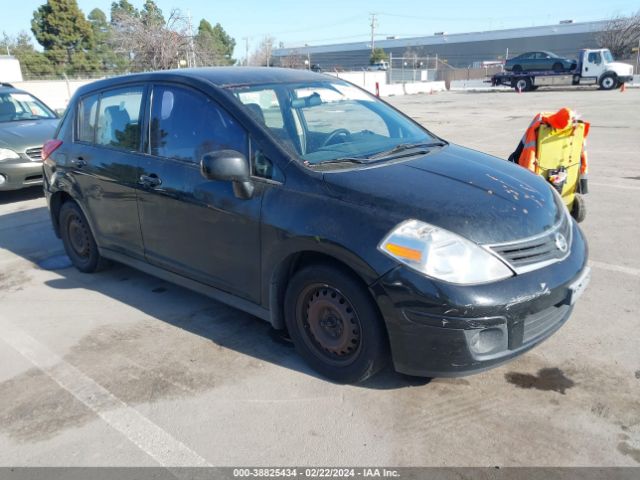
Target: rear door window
119,118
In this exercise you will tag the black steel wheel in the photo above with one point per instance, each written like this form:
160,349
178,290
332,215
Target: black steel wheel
78,240
334,324
557,67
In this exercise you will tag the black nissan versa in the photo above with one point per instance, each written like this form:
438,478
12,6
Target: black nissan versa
306,201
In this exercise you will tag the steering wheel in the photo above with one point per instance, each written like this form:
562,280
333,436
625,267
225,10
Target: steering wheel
334,134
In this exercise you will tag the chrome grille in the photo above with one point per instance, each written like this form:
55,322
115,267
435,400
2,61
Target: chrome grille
35,154
535,252
539,323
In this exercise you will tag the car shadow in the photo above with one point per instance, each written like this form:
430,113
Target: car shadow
13,196
29,234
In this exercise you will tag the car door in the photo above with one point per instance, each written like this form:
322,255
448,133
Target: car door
190,225
593,65
545,61
105,159
526,61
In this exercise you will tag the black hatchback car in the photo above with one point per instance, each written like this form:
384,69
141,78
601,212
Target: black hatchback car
305,201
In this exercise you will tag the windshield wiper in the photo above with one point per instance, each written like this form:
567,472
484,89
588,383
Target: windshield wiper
339,160
384,154
403,147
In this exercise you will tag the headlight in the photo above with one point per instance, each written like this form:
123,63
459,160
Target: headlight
6,154
441,254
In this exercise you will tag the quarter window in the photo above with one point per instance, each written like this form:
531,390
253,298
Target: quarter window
87,119
186,124
119,118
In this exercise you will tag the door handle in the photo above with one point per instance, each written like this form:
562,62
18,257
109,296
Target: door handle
150,181
78,162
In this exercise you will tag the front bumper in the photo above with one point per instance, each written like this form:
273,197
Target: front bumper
16,174
625,78
438,329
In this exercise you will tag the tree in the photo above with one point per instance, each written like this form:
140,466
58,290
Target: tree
213,45
149,43
34,64
620,35
377,55
262,55
65,34
151,15
103,50
123,8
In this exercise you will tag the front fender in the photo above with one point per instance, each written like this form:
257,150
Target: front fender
295,223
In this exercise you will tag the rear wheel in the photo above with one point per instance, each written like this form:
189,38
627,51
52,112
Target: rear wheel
522,84
334,324
608,82
78,240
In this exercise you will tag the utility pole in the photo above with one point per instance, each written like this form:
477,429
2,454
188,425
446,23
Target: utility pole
191,55
246,51
373,26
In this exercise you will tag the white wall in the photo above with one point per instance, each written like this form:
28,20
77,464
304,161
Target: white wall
364,79
10,69
368,80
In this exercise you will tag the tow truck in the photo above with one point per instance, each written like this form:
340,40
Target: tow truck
594,67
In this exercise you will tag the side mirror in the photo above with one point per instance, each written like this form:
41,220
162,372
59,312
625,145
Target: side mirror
228,165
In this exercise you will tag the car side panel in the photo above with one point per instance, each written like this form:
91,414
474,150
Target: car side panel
301,217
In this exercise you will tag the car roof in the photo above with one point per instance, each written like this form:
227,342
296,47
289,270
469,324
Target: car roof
7,87
218,76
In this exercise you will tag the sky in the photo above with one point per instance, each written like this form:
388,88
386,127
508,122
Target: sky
300,22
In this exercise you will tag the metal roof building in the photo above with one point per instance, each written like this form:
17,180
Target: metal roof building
459,49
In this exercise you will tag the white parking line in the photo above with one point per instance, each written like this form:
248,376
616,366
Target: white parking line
615,185
149,437
615,268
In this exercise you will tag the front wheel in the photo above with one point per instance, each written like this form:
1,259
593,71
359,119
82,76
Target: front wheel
608,82
78,240
334,324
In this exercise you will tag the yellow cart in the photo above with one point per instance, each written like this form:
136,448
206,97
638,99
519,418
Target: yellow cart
553,147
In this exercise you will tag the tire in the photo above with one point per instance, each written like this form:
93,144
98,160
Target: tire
608,81
557,67
517,69
320,302
523,84
579,208
78,240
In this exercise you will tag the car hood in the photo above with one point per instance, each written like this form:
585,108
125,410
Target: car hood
481,197
19,136
620,68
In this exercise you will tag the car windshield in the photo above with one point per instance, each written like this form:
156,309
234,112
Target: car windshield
332,121
608,58
19,106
